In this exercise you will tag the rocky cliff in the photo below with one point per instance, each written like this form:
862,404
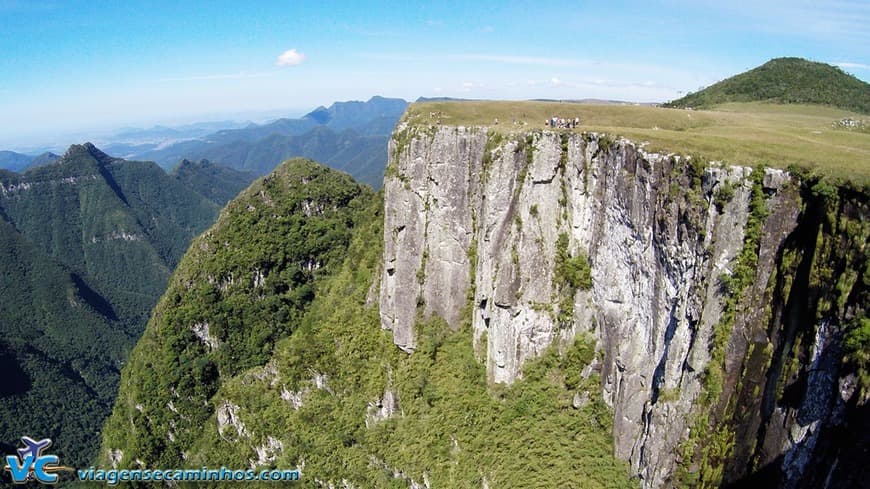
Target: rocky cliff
720,298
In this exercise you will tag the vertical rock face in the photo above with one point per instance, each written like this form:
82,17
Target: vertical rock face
474,220
430,231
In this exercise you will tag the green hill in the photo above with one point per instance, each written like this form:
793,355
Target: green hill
87,245
242,287
11,160
787,81
217,183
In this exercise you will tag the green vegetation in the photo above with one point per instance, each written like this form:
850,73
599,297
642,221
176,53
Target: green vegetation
840,270
787,81
572,273
86,247
243,286
55,383
736,133
215,182
447,424
723,195
494,140
857,343
712,437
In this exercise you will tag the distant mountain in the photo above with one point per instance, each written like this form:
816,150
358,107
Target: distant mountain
13,161
218,183
361,155
350,136
186,131
786,80
355,114
18,162
46,158
87,245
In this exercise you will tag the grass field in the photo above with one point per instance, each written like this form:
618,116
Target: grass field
738,133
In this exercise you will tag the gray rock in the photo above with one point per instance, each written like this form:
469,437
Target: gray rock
657,249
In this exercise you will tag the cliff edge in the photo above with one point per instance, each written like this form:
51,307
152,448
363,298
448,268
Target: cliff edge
713,292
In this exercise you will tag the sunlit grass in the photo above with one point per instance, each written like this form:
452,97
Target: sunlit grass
737,133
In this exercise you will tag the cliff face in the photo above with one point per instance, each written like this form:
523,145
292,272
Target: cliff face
267,352
716,292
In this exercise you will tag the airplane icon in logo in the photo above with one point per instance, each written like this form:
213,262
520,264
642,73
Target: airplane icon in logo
32,464
32,447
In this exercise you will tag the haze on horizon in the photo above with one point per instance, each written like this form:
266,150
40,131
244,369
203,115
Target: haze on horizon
77,67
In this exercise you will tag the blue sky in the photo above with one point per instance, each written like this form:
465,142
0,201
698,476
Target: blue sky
71,66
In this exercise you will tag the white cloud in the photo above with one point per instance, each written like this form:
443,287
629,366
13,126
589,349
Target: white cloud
860,66
555,81
291,57
469,86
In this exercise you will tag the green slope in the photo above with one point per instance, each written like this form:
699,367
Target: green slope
249,279
55,382
788,81
218,183
121,225
87,245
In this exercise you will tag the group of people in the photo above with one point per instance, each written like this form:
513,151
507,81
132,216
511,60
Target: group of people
557,122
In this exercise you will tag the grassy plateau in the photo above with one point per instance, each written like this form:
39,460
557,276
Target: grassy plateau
747,133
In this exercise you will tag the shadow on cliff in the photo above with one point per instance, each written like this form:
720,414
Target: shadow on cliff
842,454
834,453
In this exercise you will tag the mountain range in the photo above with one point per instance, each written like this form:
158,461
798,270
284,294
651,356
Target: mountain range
88,244
349,136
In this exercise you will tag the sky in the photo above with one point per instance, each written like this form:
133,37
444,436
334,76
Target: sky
72,67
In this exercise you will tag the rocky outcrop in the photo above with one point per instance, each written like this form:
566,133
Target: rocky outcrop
476,221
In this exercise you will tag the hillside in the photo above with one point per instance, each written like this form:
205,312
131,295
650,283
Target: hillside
786,81
253,276
88,244
215,182
46,158
17,162
10,160
54,381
